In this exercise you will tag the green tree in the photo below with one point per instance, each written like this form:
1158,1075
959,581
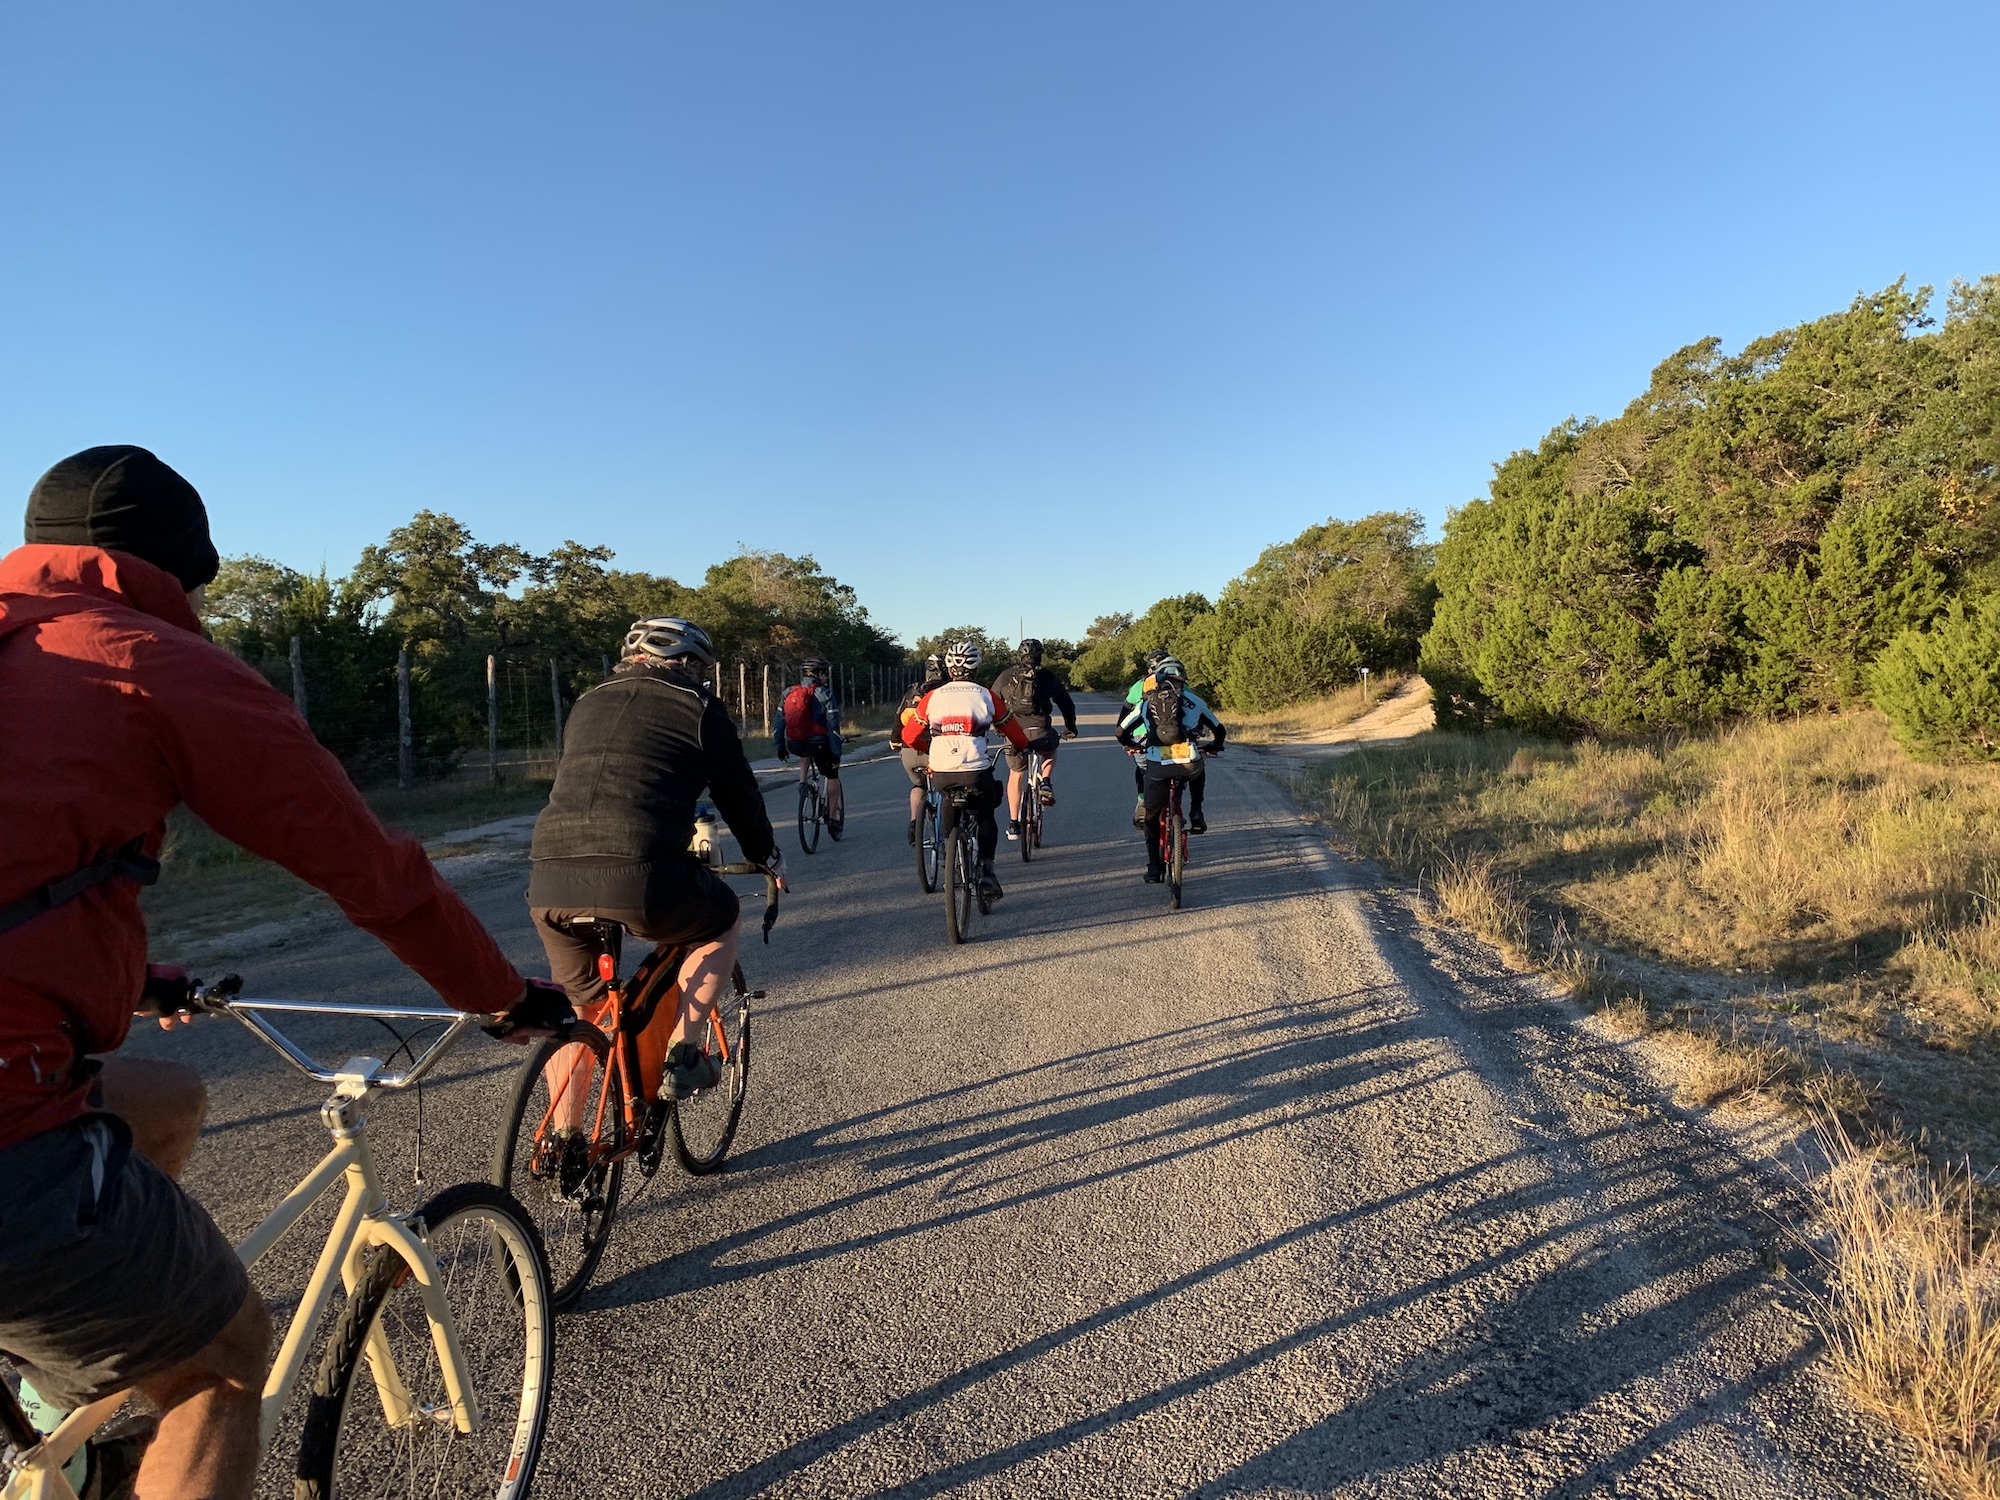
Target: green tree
1940,686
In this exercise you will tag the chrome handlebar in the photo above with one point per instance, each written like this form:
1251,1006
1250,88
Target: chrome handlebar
222,998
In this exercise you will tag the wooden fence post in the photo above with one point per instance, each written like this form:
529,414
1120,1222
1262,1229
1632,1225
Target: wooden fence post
405,769
743,691
602,657
299,680
492,723
555,697
767,696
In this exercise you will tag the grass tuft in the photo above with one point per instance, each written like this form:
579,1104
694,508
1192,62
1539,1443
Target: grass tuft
1911,1315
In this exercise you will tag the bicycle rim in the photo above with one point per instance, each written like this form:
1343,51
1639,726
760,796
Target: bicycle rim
570,1192
382,1358
705,1123
808,817
929,849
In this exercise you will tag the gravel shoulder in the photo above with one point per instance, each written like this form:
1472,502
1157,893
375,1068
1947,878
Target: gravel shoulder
1283,1194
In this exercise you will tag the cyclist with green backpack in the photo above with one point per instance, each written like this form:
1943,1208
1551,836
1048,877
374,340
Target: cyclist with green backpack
1164,730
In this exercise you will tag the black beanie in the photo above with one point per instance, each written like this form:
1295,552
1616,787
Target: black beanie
123,497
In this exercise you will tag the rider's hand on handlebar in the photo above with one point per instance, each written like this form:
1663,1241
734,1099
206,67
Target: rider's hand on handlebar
1070,733
776,865
543,1009
168,994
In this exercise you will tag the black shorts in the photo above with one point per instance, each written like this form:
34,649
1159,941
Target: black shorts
109,1274
683,902
1042,740
985,791
821,753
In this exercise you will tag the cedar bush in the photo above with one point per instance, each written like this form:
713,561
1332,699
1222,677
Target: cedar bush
1940,686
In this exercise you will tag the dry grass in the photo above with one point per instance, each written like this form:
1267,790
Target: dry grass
209,887
1911,1315
1313,720
1813,850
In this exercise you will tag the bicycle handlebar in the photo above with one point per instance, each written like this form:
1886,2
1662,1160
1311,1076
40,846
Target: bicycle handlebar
223,998
770,890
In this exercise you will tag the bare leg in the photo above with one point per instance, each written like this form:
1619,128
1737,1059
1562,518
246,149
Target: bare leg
704,977
164,1103
836,799
916,803
1014,780
207,1444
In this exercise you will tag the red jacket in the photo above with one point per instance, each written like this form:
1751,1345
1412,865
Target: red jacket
113,709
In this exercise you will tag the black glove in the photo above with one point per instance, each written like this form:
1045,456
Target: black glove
545,1007
167,991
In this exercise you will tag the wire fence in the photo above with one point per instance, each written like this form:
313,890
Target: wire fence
423,718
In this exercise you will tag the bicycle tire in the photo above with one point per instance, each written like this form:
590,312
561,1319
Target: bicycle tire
930,848
1176,852
489,1260
1031,820
808,817
704,1124
573,1219
961,884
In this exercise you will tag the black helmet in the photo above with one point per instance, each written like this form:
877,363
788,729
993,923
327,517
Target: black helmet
1029,652
816,666
1154,657
664,638
934,665
1168,666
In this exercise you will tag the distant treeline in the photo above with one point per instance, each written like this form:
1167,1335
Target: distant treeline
1807,524
452,601
1811,523
1301,621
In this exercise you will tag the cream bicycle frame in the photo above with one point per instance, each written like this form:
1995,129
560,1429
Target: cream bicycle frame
361,1224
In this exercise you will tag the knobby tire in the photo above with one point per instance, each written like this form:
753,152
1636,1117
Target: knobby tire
704,1124
490,1266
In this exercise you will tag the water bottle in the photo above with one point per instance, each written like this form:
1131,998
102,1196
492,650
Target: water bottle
706,845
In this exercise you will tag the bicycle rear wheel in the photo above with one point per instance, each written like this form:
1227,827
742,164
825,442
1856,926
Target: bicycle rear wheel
392,1434
1176,850
808,816
705,1122
930,847
1031,819
568,1184
961,884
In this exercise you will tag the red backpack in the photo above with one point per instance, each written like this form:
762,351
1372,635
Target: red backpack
803,719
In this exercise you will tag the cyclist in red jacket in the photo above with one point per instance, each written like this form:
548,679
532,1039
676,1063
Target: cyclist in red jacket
116,711
808,726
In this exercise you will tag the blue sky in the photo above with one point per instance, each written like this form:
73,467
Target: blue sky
1036,310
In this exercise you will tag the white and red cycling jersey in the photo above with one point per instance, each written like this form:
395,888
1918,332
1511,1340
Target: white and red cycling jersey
951,722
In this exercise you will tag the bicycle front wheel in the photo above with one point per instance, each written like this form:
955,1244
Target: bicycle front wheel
394,1433
808,816
560,1153
1176,850
705,1122
930,848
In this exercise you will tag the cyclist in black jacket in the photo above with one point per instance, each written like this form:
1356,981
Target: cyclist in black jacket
1030,690
638,750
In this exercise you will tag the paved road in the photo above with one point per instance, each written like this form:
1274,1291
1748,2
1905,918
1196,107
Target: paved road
1282,1194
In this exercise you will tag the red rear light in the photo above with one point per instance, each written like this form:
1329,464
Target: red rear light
606,969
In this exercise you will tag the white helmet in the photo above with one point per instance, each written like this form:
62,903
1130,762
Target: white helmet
961,658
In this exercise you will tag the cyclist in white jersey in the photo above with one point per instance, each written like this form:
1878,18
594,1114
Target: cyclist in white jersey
950,723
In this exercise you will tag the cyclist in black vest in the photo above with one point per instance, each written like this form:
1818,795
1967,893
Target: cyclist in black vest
1031,691
638,750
